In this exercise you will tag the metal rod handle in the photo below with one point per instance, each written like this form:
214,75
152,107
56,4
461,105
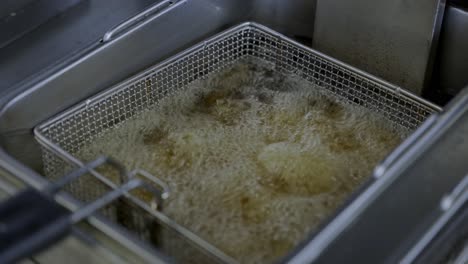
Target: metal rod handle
106,199
157,9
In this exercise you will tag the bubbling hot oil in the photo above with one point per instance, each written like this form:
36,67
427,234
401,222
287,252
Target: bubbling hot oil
255,159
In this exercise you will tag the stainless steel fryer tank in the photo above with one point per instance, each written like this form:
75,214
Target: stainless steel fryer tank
104,64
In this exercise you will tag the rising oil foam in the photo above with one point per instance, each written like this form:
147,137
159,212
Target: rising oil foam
255,159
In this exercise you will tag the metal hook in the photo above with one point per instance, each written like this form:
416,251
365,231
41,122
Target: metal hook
156,204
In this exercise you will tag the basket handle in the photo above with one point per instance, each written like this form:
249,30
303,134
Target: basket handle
32,220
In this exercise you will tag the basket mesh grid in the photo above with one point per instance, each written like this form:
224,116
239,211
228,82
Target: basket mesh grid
73,129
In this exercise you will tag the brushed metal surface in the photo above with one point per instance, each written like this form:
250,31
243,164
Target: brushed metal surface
453,55
390,39
20,17
62,35
8,6
294,18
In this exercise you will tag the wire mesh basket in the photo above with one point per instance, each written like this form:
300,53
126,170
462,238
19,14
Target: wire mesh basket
64,135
